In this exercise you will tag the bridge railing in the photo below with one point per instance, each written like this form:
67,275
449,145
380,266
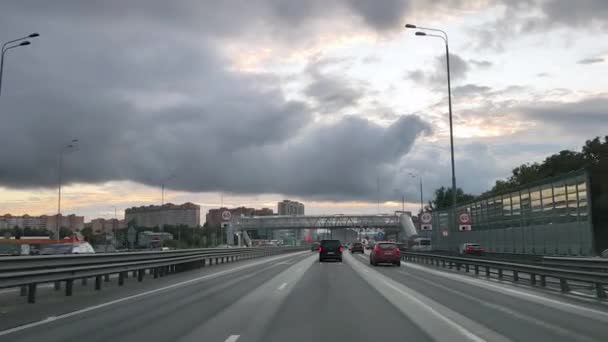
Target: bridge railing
537,275
28,272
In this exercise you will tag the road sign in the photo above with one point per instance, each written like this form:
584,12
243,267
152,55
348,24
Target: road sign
426,227
464,227
444,232
226,215
426,217
464,218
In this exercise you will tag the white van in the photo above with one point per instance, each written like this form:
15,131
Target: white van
421,245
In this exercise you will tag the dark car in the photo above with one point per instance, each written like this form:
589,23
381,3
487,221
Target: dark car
330,250
385,253
402,246
357,247
315,246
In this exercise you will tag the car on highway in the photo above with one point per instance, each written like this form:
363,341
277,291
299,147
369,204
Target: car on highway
422,245
315,246
470,248
357,247
402,246
385,253
68,248
330,250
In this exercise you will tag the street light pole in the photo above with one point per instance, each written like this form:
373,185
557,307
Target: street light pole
5,48
444,36
421,198
60,171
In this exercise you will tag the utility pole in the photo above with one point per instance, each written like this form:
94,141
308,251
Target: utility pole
378,192
403,203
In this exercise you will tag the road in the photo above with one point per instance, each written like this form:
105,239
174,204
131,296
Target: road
294,298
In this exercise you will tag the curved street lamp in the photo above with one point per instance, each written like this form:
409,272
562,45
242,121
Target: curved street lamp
6,47
68,147
444,36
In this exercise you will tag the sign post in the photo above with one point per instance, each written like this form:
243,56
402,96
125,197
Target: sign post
464,222
426,221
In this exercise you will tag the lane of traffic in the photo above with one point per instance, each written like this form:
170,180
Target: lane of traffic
164,313
513,316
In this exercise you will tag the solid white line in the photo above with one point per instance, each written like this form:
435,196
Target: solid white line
232,338
573,335
451,323
142,294
597,314
282,286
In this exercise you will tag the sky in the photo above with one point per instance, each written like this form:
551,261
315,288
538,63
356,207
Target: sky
333,103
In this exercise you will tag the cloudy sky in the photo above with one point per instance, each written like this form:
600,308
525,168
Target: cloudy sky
262,100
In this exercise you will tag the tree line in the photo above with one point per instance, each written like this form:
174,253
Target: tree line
593,157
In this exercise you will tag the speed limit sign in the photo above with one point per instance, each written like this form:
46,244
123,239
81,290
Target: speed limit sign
226,215
464,218
426,218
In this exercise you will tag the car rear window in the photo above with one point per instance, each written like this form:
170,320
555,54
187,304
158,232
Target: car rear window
357,244
387,246
330,243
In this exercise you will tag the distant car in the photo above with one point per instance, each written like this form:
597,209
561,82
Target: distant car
315,246
402,246
68,248
370,245
357,247
330,250
471,249
422,245
385,253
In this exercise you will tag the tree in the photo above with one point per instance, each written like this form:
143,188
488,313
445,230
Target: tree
443,198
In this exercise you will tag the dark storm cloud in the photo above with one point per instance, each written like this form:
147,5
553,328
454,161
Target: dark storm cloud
146,88
577,116
593,60
330,91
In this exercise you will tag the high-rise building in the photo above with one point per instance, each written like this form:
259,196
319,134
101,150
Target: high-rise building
49,222
287,207
188,214
105,226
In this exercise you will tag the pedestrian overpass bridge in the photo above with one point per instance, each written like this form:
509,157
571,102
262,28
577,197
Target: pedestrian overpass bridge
400,222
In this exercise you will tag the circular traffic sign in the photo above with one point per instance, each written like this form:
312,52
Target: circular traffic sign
464,218
426,218
226,215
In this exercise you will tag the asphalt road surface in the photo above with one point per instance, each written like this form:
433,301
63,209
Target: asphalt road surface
295,298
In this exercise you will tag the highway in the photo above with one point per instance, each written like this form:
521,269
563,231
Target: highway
295,298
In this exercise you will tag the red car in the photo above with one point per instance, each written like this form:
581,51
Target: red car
385,252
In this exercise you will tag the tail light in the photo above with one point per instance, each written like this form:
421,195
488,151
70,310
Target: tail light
340,249
469,248
397,250
320,249
376,249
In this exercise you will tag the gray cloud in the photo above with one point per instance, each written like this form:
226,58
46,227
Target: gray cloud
584,116
470,90
593,60
480,63
543,74
147,89
459,68
331,91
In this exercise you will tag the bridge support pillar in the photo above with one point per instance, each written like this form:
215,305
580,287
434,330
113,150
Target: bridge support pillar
22,290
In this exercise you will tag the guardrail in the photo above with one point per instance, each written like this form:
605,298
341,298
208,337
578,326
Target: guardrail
537,274
589,264
27,272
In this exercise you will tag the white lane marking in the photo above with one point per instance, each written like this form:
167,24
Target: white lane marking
232,338
573,335
280,288
423,311
587,312
451,323
142,294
